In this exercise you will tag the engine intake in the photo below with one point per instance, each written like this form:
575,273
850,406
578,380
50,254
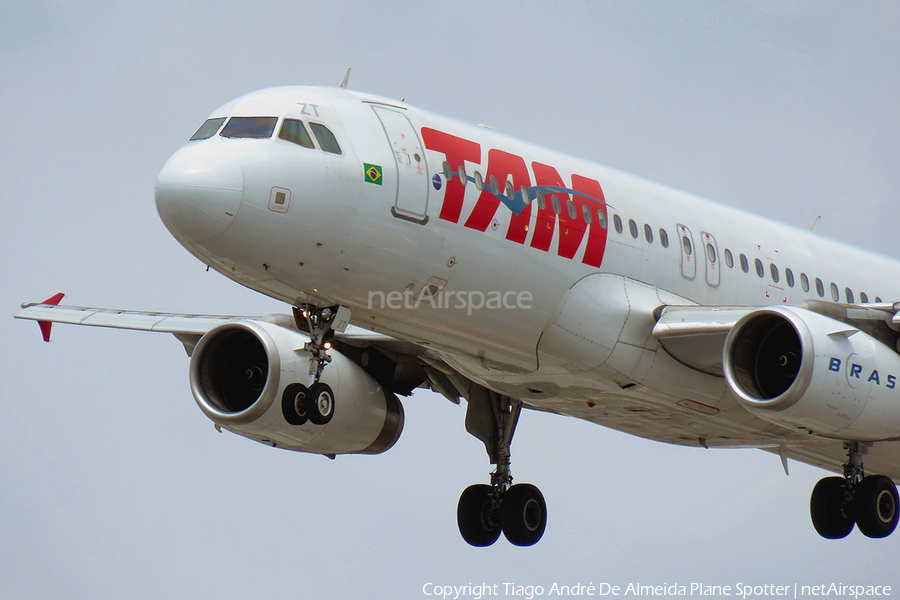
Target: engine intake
232,369
766,359
803,370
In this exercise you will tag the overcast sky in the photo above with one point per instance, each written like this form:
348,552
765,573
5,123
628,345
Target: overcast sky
114,485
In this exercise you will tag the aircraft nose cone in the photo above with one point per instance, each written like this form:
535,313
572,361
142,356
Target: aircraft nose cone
197,196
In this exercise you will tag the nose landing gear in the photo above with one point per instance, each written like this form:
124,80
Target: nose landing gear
314,402
519,510
870,502
320,323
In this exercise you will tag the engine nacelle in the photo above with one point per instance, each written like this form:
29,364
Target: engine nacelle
803,370
249,377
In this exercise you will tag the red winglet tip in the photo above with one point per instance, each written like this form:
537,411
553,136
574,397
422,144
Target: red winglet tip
46,325
55,299
45,329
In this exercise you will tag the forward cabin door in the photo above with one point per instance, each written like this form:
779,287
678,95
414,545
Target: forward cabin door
412,181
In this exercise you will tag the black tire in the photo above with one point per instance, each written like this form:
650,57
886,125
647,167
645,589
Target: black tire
293,404
320,404
876,506
477,516
831,515
523,514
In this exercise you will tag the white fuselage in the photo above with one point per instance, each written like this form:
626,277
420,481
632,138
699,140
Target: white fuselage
558,327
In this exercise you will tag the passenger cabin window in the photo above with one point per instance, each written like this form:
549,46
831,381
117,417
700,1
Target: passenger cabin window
820,288
326,139
208,129
686,244
834,292
249,127
495,187
586,213
773,270
729,259
293,130
711,253
804,282
648,234
759,268
789,277
570,206
663,238
601,218
745,266
553,199
632,228
617,223
849,293
863,298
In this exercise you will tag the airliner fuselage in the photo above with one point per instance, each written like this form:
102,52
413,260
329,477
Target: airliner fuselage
383,245
526,277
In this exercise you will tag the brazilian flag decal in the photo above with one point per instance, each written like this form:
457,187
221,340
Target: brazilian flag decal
373,173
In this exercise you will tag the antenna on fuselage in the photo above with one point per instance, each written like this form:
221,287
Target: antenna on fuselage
815,224
346,79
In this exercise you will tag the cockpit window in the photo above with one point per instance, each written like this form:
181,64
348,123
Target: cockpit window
249,127
208,129
293,130
326,138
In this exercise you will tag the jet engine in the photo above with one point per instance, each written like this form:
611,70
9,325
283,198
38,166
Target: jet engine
806,371
250,378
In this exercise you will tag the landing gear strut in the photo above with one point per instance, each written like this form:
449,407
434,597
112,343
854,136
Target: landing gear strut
519,510
317,321
314,402
870,502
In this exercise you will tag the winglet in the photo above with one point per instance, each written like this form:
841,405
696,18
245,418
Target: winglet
46,325
346,79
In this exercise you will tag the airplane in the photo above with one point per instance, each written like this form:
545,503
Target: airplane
417,251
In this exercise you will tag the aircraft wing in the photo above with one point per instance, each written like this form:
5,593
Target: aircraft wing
186,324
188,328
695,335
408,365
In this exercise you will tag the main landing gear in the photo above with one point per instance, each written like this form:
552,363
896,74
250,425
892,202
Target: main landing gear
870,502
519,510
